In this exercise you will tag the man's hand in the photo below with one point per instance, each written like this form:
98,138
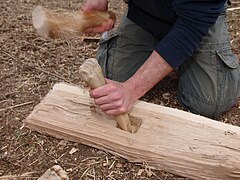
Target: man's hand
114,98
99,5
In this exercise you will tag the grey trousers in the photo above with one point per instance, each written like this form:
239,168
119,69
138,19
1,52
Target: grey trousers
209,81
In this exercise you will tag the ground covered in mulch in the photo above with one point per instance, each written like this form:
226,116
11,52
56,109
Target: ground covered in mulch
29,67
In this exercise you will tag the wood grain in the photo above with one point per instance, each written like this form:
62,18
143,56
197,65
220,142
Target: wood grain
168,139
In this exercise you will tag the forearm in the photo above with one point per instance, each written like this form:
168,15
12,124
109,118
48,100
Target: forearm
148,75
116,98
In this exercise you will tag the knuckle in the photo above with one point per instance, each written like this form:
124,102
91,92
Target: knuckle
122,109
119,104
110,112
112,87
116,97
103,108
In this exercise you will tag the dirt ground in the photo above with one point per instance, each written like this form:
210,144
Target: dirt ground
29,67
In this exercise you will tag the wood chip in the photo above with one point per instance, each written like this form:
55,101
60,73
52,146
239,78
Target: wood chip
54,173
140,171
73,150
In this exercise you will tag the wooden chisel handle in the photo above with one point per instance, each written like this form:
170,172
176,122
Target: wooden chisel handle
91,73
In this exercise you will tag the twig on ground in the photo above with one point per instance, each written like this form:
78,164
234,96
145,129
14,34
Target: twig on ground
34,67
93,163
112,165
12,163
33,162
18,105
83,174
156,176
3,101
111,174
45,152
16,177
27,175
89,158
27,155
233,9
91,39
90,175
11,93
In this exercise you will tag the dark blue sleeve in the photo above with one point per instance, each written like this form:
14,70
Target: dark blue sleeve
193,21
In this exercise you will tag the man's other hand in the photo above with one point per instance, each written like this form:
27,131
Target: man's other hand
97,5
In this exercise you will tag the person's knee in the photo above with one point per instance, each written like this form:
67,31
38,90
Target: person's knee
200,107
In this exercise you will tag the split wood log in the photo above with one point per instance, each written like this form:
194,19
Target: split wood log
91,74
64,24
168,139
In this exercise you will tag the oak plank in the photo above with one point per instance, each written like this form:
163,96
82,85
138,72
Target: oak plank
168,139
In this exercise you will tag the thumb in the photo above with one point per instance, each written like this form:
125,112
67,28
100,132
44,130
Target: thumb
109,24
87,7
109,81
